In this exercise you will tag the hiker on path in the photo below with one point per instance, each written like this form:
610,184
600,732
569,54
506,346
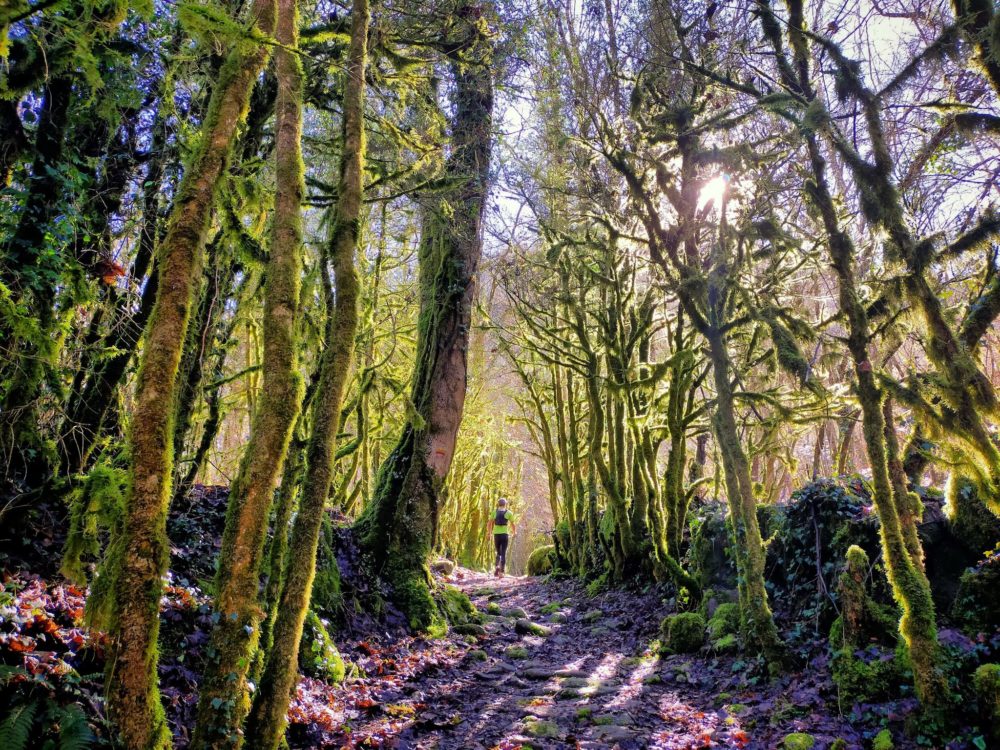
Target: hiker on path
498,525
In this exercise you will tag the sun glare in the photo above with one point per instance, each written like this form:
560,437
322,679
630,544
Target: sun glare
713,191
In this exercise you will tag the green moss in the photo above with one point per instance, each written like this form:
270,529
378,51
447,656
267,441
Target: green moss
876,676
725,622
547,729
592,615
516,652
477,655
327,596
798,741
598,585
456,606
584,713
541,561
883,741
726,644
493,608
838,744
683,633
987,683
550,609
412,593
318,656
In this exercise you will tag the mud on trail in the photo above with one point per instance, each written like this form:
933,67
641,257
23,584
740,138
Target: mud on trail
552,667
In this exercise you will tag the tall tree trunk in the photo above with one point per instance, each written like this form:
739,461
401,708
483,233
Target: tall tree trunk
223,701
759,622
397,529
898,522
139,556
27,273
266,724
89,403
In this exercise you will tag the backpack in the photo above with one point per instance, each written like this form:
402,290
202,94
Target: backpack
501,518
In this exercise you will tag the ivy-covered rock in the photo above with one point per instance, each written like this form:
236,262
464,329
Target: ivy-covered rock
683,633
977,605
709,558
813,533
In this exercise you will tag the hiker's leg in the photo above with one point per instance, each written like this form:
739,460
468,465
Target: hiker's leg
497,547
502,551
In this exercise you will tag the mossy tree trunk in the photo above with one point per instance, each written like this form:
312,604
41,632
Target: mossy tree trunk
266,723
894,504
223,700
397,529
139,557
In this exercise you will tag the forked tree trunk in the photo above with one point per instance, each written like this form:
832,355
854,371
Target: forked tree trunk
397,529
223,701
139,557
266,724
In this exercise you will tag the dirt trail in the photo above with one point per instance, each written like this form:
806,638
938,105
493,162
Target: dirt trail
586,681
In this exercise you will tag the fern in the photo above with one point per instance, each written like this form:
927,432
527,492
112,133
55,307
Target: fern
16,728
74,731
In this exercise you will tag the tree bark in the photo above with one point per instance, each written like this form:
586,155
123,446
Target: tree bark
223,701
266,724
398,527
139,556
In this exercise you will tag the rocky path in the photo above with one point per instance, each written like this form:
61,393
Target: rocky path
551,667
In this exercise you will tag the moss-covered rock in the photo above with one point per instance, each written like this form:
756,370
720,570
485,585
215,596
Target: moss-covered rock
443,567
987,683
318,655
524,626
710,560
798,741
493,609
541,561
469,628
542,729
725,621
516,652
455,606
867,674
683,633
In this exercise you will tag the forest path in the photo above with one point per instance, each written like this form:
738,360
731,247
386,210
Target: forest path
586,681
